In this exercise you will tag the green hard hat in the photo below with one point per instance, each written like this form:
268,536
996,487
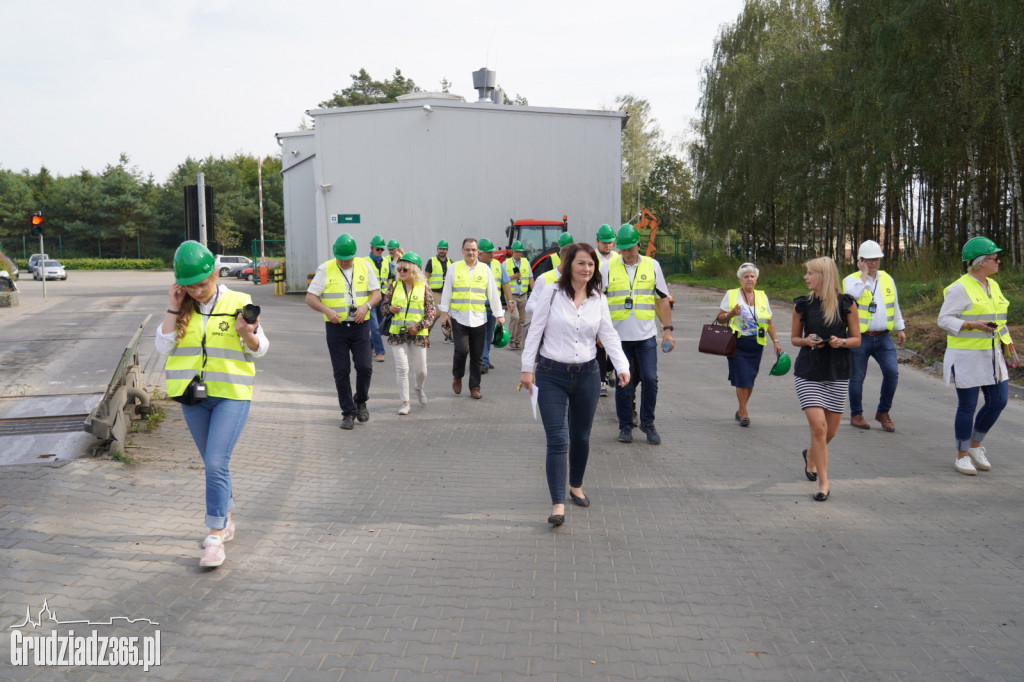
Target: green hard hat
979,246
565,239
486,245
378,242
393,244
345,247
782,365
605,233
412,257
501,336
517,245
193,263
628,237
443,244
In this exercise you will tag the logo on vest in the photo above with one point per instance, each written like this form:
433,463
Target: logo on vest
224,326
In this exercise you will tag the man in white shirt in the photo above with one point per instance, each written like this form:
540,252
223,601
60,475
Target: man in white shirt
345,289
879,309
637,294
468,287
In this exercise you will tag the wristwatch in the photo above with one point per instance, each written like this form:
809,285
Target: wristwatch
668,328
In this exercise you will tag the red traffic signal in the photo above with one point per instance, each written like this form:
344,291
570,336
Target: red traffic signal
37,223
37,219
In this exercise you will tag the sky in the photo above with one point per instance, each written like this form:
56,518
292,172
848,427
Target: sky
84,82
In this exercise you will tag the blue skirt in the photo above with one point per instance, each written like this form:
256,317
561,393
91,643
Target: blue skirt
745,362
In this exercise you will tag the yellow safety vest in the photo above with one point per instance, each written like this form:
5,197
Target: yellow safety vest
413,308
556,260
496,272
228,371
888,286
437,272
612,259
469,288
336,294
641,290
383,271
521,282
986,309
762,314
551,276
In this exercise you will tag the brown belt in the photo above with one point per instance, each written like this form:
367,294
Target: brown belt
873,333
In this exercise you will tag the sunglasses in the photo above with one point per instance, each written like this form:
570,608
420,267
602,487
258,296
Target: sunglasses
378,248
404,270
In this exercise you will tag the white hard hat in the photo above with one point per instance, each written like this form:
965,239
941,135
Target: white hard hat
870,249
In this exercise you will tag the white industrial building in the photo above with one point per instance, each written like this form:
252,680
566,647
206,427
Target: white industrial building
432,166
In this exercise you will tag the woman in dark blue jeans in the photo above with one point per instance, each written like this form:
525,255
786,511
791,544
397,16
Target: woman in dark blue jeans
560,361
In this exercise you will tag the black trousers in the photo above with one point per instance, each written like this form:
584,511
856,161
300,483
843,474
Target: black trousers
469,341
347,340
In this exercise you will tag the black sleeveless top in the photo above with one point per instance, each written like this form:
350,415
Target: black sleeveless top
825,363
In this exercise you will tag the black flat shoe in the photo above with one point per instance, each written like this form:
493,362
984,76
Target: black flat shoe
811,475
744,421
556,519
580,501
821,497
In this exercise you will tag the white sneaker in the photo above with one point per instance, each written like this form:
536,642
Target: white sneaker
404,409
229,532
422,396
965,466
977,456
213,552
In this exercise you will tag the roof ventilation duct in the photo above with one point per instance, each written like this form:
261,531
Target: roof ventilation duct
484,82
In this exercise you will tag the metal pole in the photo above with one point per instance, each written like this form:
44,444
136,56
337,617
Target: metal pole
44,265
259,175
201,200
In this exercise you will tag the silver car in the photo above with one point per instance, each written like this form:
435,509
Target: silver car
50,269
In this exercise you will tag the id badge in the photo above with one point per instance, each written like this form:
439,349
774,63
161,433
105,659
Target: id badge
872,308
628,305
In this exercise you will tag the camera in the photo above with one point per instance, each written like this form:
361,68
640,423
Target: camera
402,332
352,311
628,305
515,271
199,391
250,313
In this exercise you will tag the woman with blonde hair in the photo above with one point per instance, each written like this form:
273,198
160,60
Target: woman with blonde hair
825,327
412,312
747,312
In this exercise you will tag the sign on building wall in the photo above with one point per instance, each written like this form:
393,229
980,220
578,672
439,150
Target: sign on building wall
345,218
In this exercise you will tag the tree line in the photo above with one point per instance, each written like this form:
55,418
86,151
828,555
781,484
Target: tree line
122,213
824,123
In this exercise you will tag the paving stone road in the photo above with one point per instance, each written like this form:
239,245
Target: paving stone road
417,548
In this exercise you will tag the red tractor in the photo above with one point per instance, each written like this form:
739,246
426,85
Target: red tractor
539,239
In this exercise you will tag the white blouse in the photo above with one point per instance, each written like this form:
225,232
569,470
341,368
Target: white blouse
564,333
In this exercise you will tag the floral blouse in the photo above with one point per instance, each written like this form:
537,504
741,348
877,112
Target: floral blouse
428,317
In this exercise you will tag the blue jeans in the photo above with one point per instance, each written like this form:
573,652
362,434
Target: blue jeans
216,424
643,365
492,321
883,350
967,426
376,340
567,403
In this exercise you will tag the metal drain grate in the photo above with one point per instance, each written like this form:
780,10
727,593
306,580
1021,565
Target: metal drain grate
33,425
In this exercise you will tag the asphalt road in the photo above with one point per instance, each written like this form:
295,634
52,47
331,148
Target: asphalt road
416,547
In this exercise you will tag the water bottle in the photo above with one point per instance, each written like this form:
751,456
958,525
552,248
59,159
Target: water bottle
666,346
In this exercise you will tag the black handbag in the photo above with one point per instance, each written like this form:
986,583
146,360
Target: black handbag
385,325
717,339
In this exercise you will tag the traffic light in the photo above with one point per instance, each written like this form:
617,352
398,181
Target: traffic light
37,224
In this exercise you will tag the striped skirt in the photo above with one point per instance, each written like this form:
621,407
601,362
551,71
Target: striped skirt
830,395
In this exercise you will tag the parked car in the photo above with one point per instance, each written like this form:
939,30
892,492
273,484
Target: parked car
33,261
50,269
246,273
224,264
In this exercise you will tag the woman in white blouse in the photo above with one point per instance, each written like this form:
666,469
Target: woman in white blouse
569,316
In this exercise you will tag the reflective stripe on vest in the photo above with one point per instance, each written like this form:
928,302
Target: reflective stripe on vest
520,283
437,272
985,309
413,308
762,313
888,286
469,289
336,296
229,372
642,290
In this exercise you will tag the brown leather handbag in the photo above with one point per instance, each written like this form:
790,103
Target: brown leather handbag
717,339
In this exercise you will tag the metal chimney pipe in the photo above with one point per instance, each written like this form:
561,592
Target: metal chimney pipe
484,81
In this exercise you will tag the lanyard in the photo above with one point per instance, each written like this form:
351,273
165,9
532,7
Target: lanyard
751,310
348,283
